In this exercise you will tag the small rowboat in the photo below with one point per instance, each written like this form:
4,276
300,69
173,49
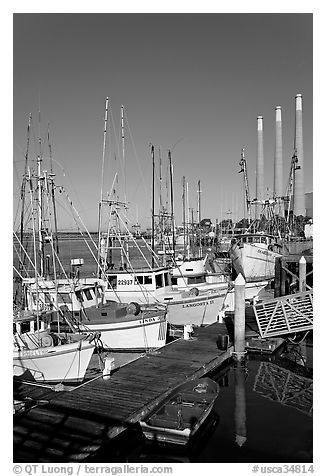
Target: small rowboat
178,418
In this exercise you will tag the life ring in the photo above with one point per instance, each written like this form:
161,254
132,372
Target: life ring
194,292
47,341
133,308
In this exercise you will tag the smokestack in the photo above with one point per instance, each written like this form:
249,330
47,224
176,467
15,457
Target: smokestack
278,160
299,196
260,165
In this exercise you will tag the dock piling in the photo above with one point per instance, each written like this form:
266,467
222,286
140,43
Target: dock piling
302,274
239,318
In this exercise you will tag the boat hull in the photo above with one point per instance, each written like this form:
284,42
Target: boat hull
67,362
253,262
138,333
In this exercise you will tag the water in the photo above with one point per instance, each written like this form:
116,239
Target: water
263,414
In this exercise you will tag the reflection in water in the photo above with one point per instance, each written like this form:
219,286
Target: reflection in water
240,404
285,387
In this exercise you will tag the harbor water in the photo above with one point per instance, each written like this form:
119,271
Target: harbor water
263,414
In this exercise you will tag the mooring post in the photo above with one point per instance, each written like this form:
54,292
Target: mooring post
239,318
302,274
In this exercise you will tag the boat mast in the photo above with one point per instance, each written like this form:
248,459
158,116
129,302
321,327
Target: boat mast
56,240
34,245
188,219
23,188
184,213
153,202
172,205
40,200
123,152
199,217
101,253
243,169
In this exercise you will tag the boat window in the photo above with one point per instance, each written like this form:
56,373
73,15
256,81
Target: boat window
79,296
148,280
249,239
174,281
104,314
140,279
64,298
244,239
159,280
264,239
256,239
196,279
25,327
167,279
76,313
88,294
112,282
15,328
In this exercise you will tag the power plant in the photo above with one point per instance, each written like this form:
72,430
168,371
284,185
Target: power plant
278,159
260,165
299,192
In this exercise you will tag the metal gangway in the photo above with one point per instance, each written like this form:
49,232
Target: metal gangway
285,315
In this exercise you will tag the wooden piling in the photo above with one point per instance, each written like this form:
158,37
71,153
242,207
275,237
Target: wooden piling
239,318
302,274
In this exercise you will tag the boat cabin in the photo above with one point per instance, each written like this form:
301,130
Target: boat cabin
46,296
138,280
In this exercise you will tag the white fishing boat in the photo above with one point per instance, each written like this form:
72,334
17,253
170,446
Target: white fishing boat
122,326
127,327
41,356
253,255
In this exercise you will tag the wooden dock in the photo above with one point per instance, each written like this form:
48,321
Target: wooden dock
72,425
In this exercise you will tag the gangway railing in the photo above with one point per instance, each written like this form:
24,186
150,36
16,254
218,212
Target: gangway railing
285,315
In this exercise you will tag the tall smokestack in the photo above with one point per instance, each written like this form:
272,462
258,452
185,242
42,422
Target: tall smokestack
278,160
260,165
299,196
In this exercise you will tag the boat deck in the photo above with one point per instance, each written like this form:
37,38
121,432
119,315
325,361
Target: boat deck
72,425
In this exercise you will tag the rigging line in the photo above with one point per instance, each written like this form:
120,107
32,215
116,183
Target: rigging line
145,293
133,239
15,269
87,244
136,155
21,261
116,139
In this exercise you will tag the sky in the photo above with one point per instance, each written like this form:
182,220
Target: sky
190,83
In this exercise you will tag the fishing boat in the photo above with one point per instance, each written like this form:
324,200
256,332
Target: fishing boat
123,327
253,255
182,413
42,356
